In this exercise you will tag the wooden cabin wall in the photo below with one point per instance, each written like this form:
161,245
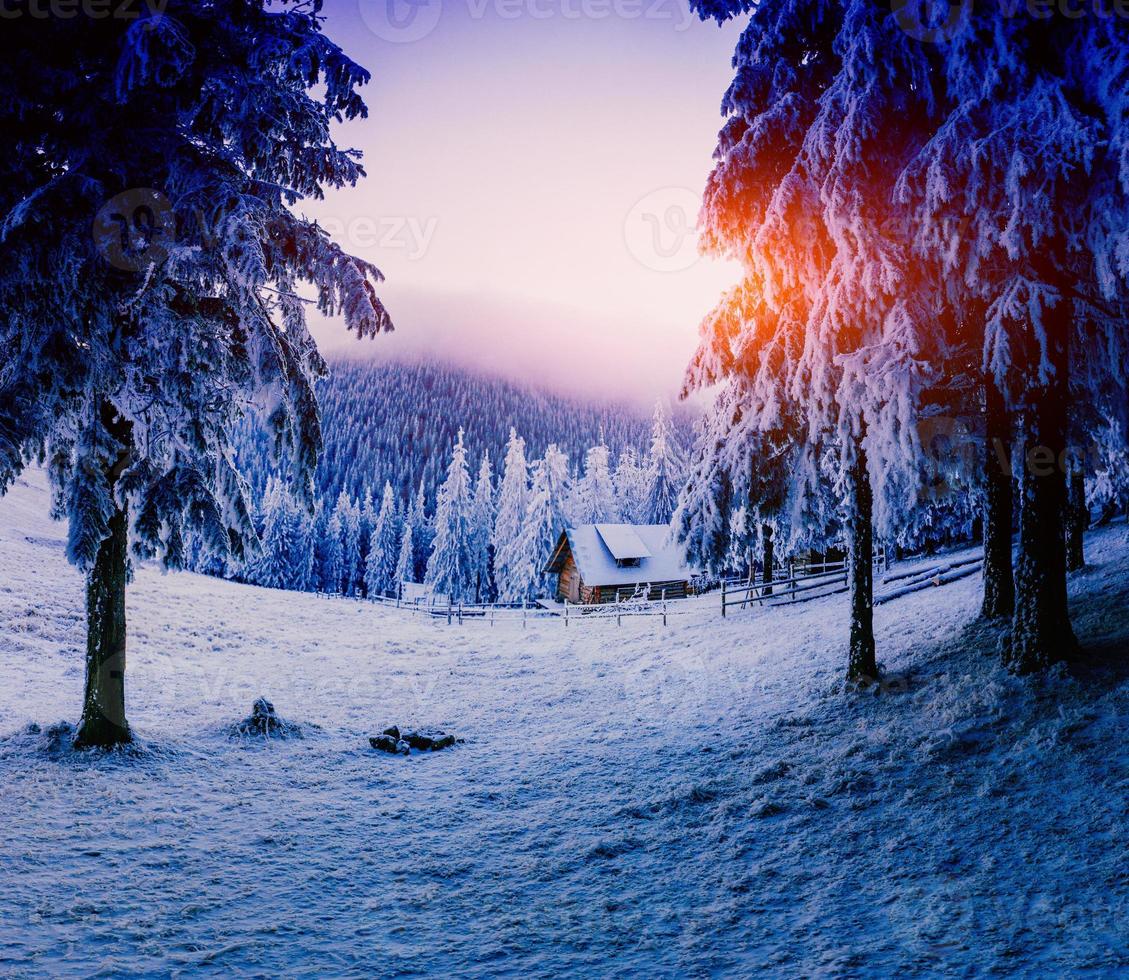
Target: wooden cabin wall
569,585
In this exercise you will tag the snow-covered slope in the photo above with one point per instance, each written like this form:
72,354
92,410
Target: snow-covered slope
700,800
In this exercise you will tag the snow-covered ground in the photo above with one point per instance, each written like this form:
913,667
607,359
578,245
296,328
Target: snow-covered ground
699,800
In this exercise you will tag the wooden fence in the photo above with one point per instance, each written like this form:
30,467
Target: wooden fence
786,591
525,612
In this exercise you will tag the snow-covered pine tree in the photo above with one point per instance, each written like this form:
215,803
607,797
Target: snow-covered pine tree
1029,163
761,209
554,470
367,519
483,520
822,342
319,542
739,541
877,317
594,498
332,566
277,566
405,563
513,501
423,533
631,481
349,520
383,551
450,570
665,468
183,140
535,545
304,565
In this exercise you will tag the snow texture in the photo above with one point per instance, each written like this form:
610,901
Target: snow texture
701,800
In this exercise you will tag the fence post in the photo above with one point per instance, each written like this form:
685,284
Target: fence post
723,597
492,605
448,610
523,614
619,612
664,607
460,612
566,614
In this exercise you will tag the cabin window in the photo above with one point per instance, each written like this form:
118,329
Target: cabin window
627,562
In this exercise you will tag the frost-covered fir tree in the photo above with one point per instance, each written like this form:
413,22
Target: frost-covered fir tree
630,481
383,550
450,570
819,348
405,562
332,566
367,520
349,520
594,498
513,501
305,553
152,262
739,557
535,544
1029,163
555,476
664,477
423,533
483,519
280,564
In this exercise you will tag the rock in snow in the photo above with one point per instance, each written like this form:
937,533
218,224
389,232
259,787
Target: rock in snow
389,743
428,740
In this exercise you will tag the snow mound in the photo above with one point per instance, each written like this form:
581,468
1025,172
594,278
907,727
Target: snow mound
265,722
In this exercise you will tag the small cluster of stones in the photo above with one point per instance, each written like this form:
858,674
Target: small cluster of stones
393,741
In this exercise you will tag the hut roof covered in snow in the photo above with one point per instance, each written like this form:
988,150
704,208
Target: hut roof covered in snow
621,554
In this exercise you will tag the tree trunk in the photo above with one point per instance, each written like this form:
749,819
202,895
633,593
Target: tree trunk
103,721
769,557
1077,518
999,581
1041,633
861,665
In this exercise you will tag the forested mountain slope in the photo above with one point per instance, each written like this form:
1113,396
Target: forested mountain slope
397,421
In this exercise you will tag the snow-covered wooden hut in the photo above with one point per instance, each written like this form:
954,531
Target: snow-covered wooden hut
597,563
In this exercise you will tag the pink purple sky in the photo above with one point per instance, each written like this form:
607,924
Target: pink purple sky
534,168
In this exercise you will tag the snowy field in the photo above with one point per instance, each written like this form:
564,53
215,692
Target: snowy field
701,800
